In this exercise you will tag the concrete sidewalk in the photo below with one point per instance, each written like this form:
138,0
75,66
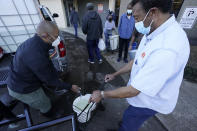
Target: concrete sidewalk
111,58
183,118
72,31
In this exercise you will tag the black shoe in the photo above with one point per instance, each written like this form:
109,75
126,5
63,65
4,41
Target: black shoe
119,59
101,107
125,60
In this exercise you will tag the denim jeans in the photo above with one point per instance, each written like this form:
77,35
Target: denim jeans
134,117
107,42
75,26
92,46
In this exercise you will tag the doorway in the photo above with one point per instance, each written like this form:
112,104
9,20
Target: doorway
68,4
177,6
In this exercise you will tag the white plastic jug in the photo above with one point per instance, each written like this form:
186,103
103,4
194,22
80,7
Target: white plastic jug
83,110
114,40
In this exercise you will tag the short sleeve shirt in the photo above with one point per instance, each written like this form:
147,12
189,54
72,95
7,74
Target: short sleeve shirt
158,67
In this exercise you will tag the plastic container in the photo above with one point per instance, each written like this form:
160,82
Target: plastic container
132,52
83,108
134,46
114,40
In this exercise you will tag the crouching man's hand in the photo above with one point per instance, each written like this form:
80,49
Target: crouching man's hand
96,96
75,89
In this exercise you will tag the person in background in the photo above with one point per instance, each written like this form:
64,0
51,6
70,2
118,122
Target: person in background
136,38
31,68
109,26
125,30
112,14
93,28
74,20
157,71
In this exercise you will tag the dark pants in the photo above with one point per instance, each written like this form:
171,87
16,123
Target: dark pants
107,42
92,46
123,43
134,117
75,26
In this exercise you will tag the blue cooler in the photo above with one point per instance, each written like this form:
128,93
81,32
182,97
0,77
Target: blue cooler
132,52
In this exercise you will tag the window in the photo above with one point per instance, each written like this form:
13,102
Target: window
45,14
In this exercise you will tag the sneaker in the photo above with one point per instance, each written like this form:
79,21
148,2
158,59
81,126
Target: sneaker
119,59
125,60
13,125
91,62
100,61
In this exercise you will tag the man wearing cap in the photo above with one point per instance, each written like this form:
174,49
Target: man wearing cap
93,28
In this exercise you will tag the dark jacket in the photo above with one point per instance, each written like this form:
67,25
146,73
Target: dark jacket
92,25
74,18
31,68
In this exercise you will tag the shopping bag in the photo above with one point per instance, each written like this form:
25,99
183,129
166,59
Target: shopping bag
101,45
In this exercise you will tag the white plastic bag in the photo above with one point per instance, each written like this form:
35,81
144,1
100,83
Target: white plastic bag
101,45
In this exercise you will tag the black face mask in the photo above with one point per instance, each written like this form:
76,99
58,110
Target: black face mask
110,19
129,14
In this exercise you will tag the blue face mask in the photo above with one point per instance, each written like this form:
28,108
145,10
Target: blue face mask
141,28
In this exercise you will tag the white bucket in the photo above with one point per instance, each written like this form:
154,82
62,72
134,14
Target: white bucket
114,40
80,104
132,54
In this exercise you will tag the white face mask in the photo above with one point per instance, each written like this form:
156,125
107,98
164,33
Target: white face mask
129,11
141,28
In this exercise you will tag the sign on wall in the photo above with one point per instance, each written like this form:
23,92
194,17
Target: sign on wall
100,8
189,17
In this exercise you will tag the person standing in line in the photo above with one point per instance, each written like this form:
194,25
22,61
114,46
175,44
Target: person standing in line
109,26
74,20
125,30
93,28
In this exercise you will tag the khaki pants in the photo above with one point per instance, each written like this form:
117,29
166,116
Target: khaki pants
37,99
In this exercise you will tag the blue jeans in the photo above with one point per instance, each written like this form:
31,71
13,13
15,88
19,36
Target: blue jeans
75,26
107,42
92,46
134,117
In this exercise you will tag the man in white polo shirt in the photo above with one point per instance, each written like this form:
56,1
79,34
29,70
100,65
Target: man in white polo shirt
158,68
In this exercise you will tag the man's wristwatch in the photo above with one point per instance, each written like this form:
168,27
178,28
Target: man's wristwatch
102,94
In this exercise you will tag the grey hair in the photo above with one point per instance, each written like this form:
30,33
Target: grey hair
46,27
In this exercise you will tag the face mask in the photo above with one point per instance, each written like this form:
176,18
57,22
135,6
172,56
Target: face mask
141,28
129,11
110,19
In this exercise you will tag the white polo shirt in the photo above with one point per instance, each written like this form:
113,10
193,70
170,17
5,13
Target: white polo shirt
158,67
